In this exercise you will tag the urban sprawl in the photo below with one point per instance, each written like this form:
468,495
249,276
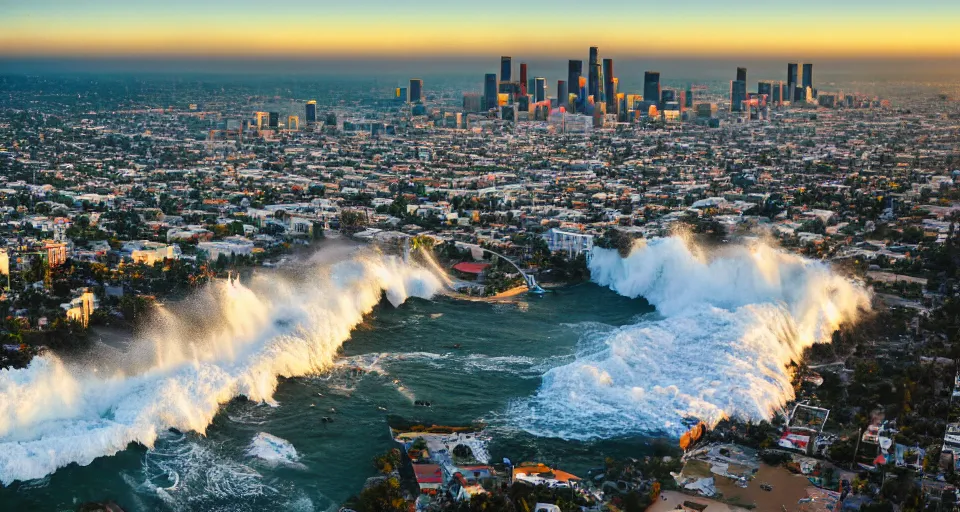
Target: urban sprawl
119,193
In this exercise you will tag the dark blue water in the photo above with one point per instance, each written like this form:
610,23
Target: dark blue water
470,360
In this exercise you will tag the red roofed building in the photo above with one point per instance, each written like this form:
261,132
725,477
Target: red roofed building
429,476
471,268
464,489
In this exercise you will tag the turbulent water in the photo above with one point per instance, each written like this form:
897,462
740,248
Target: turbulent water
246,396
727,327
179,375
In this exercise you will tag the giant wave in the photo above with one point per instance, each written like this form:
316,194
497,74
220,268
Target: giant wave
240,339
729,324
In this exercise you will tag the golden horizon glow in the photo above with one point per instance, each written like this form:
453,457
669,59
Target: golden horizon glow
280,34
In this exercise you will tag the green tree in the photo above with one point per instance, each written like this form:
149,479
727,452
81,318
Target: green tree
383,496
236,228
317,230
842,451
352,220
616,239
135,308
398,208
388,462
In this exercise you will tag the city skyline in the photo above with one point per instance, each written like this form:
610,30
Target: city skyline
375,28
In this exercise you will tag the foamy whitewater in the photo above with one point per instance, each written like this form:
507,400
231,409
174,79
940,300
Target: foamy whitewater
726,329
236,339
273,450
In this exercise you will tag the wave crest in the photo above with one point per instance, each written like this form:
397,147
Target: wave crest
230,340
731,324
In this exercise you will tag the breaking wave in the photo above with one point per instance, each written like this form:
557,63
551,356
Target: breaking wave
232,339
729,325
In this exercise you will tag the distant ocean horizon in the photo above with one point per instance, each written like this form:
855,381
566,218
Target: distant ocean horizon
628,69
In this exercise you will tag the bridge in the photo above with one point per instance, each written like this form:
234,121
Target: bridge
531,281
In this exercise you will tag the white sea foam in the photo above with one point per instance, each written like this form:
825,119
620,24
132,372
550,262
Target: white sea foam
235,339
274,450
730,324
470,363
189,473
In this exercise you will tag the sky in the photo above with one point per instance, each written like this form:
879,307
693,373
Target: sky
803,29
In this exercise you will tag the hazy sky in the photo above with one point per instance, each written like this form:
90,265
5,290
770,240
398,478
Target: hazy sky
545,28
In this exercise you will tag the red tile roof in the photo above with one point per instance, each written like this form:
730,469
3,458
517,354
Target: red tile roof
428,473
471,268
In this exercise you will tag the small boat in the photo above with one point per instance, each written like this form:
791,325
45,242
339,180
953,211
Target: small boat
326,419
766,487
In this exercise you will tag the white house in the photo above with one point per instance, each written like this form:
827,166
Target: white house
573,243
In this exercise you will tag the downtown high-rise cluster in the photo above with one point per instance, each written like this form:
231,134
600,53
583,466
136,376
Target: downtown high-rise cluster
595,92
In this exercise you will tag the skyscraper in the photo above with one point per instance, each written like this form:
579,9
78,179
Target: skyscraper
562,94
738,94
609,90
593,83
506,68
473,102
599,111
511,89
776,97
651,86
742,74
766,87
523,103
807,77
311,112
508,113
523,79
416,90
689,96
574,71
490,91
540,91
792,79
273,120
